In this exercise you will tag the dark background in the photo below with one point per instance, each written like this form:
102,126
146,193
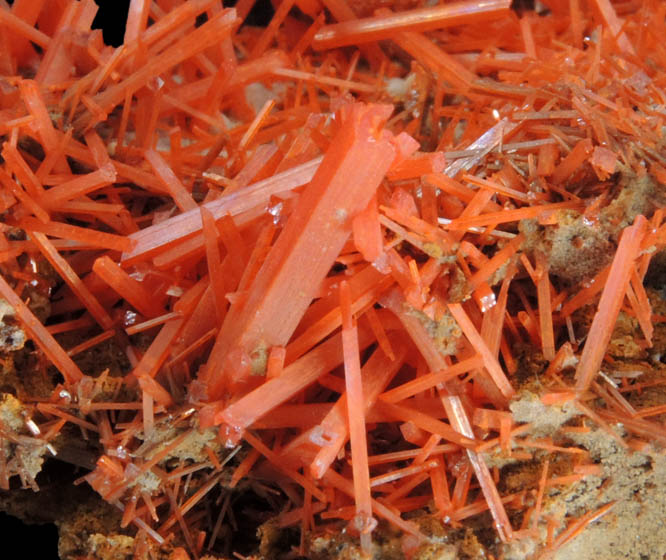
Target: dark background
33,541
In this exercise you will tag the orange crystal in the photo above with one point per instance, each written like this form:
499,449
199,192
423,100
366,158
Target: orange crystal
311,235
